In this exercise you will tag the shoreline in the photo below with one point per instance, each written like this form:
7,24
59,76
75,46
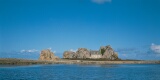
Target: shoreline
15,61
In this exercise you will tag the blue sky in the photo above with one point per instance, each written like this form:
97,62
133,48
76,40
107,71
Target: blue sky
131,27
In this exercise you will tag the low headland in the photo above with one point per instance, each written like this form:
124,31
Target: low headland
105,55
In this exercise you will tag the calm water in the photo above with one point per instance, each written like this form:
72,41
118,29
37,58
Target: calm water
81,72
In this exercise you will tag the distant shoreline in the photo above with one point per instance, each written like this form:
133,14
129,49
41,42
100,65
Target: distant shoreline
15,61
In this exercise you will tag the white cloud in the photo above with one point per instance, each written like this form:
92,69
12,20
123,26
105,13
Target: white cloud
73,50
22,51
155,48
125,55
30,51
54,51
49,48
101,1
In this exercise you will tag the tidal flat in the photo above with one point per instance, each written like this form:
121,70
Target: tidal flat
14,61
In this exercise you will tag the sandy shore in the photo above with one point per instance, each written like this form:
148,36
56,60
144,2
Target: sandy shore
11,61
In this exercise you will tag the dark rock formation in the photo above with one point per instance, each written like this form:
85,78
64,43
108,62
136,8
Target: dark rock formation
48,55
108,53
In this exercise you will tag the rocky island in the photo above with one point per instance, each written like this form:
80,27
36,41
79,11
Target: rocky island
105,52
47,55
105,55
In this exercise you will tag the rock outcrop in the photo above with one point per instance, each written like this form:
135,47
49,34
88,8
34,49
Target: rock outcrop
47,55
82,53
68,54
108,53
105,52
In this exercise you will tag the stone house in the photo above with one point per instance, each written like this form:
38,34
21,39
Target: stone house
95,55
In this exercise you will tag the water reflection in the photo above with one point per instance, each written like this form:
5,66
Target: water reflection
103,66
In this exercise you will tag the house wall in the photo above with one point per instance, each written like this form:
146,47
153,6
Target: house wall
95,56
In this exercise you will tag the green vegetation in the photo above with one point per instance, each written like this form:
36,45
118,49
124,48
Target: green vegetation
102,51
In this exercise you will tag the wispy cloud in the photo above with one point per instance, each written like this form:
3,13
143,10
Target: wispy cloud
49,48
140,53
126,50
29,51
54,51
73,50
101,1
155,48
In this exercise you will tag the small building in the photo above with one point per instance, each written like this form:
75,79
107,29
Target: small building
95,55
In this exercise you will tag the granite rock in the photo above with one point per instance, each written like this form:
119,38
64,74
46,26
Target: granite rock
47,55
68,54
108,53
82,53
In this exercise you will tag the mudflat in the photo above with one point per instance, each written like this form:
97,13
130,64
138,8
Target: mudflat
14,61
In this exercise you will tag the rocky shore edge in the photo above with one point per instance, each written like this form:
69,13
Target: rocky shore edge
105,55
14,61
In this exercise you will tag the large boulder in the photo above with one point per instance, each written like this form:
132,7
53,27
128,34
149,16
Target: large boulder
68,54
82,53
47,55
108,53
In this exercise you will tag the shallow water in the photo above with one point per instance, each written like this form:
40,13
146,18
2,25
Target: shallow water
81,72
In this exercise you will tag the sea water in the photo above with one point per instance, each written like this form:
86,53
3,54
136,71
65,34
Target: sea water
81,72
